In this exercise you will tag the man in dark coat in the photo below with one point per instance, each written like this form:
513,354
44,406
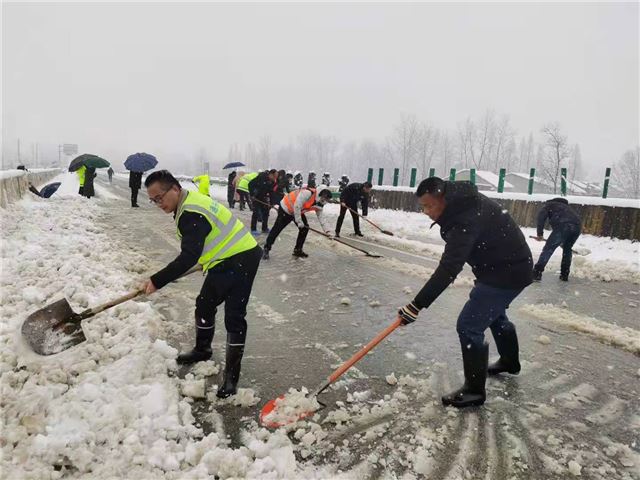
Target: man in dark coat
281,187
231,189
476,231
566,228
260,189
89,175
349,198
135,183
110,174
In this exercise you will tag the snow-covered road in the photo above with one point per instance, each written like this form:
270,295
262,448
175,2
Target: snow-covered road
118,406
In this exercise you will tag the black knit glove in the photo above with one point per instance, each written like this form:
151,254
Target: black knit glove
408,313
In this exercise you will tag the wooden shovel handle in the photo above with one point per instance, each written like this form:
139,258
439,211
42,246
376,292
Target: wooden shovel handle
362,217
117,301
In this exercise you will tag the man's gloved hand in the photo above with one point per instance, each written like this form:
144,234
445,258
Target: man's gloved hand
408,313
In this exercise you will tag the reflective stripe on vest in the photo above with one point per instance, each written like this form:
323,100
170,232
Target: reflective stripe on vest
243,183
81,172
228,236
290,201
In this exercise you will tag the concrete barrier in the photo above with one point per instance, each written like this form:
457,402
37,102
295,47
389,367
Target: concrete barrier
15,183
601,220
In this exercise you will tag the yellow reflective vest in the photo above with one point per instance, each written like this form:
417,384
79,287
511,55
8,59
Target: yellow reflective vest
228,236
243,183
203,184
81,173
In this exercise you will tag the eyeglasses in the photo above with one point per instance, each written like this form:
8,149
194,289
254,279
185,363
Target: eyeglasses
158,198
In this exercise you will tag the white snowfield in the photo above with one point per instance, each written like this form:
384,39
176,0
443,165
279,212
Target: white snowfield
113,407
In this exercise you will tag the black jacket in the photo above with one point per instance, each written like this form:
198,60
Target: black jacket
261,186
135,180
194,229
354,193
558,211
479,232
230,179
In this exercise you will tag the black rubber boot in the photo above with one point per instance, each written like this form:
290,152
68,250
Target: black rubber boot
202,350
235,350
265,253
507,342
358,234
564,277
472,392
297,252
537,274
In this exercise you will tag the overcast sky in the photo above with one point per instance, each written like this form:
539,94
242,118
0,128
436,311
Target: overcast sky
165,78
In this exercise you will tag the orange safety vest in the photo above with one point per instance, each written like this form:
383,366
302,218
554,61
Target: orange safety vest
290,200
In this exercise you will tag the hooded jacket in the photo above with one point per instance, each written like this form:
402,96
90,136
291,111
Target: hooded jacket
479,232
557,211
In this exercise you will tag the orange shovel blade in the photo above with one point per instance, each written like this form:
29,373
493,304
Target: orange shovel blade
270,406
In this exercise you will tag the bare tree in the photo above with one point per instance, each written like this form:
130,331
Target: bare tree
476,141
504,142
234,154
251,155
626,173
556,152
575,168
265,151
401,147
426,147
447,154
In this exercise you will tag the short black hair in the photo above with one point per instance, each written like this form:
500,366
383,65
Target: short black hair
365,184
164,177
432,186
273,170
325,192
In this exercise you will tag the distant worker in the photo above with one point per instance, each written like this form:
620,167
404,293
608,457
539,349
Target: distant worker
231,189
110,174
88,189
261,189
349,198
298,180
243,189
311,179
135,183
566,228
81,175
342,184
292,209
202,181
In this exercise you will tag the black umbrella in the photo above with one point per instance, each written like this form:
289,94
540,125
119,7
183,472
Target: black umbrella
233,165
88,160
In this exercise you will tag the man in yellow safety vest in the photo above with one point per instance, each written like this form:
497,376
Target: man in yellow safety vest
203,183
229,255
81,172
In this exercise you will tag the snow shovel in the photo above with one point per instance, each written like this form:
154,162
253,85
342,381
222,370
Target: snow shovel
57,327
582,252
271,404
368,254
386,232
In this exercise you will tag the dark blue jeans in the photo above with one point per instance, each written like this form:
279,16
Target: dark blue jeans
486,308
564,235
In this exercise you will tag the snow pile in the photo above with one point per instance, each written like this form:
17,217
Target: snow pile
109,407
291,407
624,337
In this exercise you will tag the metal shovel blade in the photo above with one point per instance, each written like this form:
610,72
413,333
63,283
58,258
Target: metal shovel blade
53,329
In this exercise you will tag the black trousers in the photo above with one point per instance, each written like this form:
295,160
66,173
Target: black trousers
244,198
260,212
356,219
134,196
231,197
565,235
281,222
230,282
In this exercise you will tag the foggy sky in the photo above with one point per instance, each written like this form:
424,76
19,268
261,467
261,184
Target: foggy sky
168,78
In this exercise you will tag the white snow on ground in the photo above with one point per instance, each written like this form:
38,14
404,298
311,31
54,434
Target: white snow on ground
109,407
624,337
19,173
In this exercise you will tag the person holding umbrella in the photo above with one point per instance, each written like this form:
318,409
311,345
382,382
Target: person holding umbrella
89,175
137,164
229,256
231,189
80,172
